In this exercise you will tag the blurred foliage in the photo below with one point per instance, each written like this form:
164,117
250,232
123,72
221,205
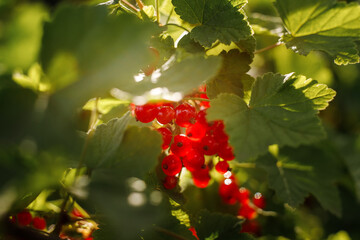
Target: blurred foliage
48,84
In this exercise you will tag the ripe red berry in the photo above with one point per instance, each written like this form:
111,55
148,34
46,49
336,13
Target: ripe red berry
171,165
247,212
259,200
226,152
39,223
170,182
181,145
146,113
165,114
166,137
222,167
228,191
24,218
201,177
209,145
196,131
251,227
185,115
201,117
244,195
193,160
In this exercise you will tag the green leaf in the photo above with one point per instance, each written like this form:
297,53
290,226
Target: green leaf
295,173
215,20
139,151
232,77
212,225
325,25
282,110
105,142
126,202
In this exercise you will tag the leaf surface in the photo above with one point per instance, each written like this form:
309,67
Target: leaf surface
295,173
325,25
282,110
215,20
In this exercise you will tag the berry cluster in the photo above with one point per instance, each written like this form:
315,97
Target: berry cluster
24,218
231,194
187,139
191,142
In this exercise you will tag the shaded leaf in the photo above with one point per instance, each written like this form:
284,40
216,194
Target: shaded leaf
105,142
295,173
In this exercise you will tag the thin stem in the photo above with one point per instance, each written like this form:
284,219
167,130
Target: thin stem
197,98
268,48
108,3
244,165
140,4
168,18
130,5
167,232
176,25
157,11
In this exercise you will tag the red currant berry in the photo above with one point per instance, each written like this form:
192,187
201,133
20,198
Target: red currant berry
228,191
201,117
222,167
39,223
226,152
209,145
194,160
247,212
201,177
244,195
165,114
259,200
146,113
170,182
196,132
166,137
171,165
24,218
251,227
185,115
181,145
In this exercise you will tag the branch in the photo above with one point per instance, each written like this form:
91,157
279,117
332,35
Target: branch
268,48
167,232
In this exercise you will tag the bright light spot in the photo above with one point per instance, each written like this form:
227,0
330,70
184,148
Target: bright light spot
257,195
227,174
179,38
175,97
155,76
136,199
119,94
156,198
228,181
139,77
156,91
139,100
136,184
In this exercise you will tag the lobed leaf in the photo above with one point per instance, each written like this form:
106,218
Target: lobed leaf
295,173
215,20
282,110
